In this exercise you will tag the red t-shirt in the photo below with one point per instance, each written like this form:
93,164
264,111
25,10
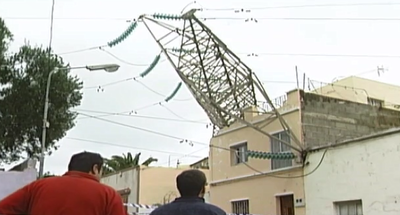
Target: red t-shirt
74,193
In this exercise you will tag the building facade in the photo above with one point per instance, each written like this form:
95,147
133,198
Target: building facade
363,90
244,185
355,177
17,177
149,185
126,183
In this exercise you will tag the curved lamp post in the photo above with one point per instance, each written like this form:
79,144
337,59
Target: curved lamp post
105,67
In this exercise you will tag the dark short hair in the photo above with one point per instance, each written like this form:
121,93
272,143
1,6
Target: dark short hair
84,162
191,182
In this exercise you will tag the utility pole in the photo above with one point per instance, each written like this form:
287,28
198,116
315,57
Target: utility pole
169,160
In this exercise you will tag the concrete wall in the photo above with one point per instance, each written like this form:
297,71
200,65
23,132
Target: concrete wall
122,180
12,181
363,170
329,120
159,183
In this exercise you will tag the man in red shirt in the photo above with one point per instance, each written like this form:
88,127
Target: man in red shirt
77,192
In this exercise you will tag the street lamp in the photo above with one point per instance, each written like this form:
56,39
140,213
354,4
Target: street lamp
105,67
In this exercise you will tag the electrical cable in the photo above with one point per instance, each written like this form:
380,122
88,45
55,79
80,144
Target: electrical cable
220,9
126,62
237,18
129,114
68,18
237,10
187,155
269,174
183,118
126,146
101,87
321,55
81,50
255,19
148,130
181,140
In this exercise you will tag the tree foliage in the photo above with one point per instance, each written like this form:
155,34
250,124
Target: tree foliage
23,79
48,175
117,162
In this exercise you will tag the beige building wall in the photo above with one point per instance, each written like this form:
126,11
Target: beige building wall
158,184
360,89
231,182
126,179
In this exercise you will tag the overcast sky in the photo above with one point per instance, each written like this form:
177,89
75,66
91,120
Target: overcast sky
83,24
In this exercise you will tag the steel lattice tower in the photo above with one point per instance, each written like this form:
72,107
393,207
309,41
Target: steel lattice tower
220,82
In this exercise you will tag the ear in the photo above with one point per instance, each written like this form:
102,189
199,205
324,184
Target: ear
95,169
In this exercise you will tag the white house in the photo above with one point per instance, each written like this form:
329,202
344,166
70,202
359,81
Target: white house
356,177
17,177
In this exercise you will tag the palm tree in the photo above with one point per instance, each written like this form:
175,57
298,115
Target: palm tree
117,162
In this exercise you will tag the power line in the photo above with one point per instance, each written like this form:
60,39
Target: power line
102,86
69,18
238,10
81,50
182,140
126,62
241,19
320,55
126,146
187,155
255,19
126,113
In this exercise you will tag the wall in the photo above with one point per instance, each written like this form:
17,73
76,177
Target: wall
15,180
159,183
329,120
220,158
366,170
359,89
261,191
122,180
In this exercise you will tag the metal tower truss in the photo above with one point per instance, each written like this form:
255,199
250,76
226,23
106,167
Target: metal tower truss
220,82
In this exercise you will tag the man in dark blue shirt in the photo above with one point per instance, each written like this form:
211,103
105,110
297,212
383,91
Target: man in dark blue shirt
191,185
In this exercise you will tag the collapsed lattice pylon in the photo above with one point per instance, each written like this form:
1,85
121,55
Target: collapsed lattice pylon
220,82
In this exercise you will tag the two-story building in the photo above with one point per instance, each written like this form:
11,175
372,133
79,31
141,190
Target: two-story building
244,185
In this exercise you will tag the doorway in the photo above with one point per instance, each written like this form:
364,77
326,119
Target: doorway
287,204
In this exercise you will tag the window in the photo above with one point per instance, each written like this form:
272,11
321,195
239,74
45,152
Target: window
375,102
240,207
349,208
278,146
238,154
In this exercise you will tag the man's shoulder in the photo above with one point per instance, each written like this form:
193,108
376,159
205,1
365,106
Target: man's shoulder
215,209
107,188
